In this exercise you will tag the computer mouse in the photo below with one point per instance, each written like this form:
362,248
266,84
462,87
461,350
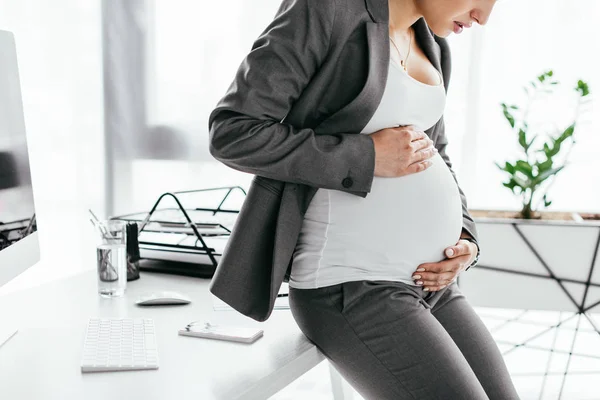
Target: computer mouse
163,298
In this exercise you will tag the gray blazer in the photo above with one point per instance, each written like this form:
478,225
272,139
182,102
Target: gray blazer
292,117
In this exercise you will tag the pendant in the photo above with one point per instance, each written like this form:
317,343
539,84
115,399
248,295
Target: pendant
403,65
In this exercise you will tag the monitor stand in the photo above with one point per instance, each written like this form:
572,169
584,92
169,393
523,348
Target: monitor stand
7,331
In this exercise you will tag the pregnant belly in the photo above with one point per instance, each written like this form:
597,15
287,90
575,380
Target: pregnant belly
407,220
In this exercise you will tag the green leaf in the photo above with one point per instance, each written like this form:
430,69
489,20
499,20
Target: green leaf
557,142
530,143
582,88
546,174
511,185
523,139
525,168
521,182
546,202
568,132
544,166
514,107
514,184
547,150
509,117
556,148
563,136
508,167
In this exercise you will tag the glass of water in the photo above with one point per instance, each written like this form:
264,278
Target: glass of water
111,258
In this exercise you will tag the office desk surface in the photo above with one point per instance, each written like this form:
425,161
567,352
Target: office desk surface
42,361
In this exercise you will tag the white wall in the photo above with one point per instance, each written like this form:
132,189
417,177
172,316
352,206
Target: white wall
193,53
521,40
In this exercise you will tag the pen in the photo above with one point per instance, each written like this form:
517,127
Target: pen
96,222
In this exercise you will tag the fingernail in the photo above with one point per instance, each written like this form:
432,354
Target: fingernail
426,289
450,252
416,276
421,270
419,282
443,286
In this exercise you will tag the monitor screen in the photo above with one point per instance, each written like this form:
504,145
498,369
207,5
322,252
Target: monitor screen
17,210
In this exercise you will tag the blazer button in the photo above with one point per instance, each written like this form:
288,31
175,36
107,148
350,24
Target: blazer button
347,182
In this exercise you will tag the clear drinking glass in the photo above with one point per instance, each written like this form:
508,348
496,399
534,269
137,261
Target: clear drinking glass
111,258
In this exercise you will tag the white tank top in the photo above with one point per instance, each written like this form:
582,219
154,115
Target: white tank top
401,223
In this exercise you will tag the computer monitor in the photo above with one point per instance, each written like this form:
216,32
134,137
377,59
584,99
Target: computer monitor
19,247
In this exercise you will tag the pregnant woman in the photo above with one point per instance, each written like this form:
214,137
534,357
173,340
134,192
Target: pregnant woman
373,277
361,286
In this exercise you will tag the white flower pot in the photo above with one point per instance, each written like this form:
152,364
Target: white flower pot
536,264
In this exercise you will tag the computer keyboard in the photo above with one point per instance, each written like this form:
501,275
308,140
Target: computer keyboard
119,345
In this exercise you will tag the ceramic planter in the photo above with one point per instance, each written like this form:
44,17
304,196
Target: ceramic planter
537,265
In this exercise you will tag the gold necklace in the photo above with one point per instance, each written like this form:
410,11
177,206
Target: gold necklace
403,62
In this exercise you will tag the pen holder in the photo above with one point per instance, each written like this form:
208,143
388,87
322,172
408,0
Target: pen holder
111,258
133,252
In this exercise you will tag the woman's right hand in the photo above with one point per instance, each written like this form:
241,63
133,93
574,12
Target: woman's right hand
402,151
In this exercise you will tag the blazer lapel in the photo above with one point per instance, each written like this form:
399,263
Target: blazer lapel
380,13
426,41
355,115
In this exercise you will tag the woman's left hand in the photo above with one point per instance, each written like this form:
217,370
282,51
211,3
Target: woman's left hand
436,276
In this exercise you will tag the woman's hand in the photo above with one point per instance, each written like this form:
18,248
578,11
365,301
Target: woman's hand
401,151
436,276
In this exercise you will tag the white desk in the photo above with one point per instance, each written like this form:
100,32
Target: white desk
42,361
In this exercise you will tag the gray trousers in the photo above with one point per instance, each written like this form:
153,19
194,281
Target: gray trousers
393,341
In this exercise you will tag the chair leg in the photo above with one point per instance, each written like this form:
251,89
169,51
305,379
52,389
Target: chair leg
340,388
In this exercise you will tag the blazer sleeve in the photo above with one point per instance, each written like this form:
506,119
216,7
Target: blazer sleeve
245,128
442,141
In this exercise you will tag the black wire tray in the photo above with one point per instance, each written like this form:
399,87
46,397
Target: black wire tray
180,240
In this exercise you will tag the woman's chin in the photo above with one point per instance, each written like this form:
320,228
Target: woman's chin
442,32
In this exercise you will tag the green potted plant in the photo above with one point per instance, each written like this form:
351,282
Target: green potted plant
531,176
554,255
527,176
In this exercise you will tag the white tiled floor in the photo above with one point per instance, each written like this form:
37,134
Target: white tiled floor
538,373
